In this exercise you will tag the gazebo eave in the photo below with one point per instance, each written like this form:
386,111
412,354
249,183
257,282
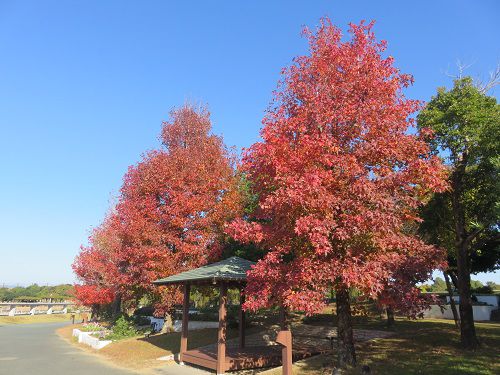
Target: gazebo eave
204,281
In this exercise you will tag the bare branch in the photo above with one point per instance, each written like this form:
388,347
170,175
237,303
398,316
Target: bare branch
483,86
493,80
461,67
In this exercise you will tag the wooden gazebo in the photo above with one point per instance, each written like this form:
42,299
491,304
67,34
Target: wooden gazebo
228,273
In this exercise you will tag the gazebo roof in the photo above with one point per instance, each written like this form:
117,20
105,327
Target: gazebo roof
230,269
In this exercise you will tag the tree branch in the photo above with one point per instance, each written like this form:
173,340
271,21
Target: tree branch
493,80
471,236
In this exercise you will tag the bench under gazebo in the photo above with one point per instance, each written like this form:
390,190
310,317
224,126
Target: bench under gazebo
228,273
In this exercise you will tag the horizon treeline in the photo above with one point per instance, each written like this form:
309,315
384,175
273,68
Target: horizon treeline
35,292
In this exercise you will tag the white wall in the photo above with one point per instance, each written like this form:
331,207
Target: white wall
481,313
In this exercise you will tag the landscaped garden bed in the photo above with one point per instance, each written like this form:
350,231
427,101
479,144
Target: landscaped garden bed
92,334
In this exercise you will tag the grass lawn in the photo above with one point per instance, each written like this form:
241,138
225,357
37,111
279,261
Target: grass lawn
417,347
142,352
30,319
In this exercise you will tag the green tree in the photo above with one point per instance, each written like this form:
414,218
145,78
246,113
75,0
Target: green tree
476,284
465,219
36,292
438,286
494,286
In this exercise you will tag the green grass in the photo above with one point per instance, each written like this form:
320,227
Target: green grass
417,347
31,319
432,347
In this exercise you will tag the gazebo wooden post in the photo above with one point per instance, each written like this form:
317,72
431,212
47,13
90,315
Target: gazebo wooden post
285,340
241,320
185,321
221,343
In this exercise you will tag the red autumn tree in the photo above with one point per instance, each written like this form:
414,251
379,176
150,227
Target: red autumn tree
339,176
97,266
174,204
170,214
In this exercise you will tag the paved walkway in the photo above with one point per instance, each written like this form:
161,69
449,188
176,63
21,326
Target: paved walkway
36,349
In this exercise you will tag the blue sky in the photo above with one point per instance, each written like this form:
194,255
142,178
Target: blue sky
84,86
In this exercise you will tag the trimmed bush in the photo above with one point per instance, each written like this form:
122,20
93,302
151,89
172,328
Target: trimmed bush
122,329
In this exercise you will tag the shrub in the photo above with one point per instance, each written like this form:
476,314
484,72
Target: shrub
204,316
122,329
485,289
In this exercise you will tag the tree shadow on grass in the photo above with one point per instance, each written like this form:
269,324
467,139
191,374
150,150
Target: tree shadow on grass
417,347
430,347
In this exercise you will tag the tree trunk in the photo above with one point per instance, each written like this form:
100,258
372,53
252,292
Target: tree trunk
345,339
94,313
117,305
390,316
462,239
452,301
467,329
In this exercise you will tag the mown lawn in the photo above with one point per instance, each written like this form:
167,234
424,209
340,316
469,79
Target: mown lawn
432,347
417,347
31,319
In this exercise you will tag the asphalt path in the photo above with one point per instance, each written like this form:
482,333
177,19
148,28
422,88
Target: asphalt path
37,349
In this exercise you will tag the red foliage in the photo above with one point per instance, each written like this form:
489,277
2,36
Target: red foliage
90,295
96,266
171,212
98,263
340,177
